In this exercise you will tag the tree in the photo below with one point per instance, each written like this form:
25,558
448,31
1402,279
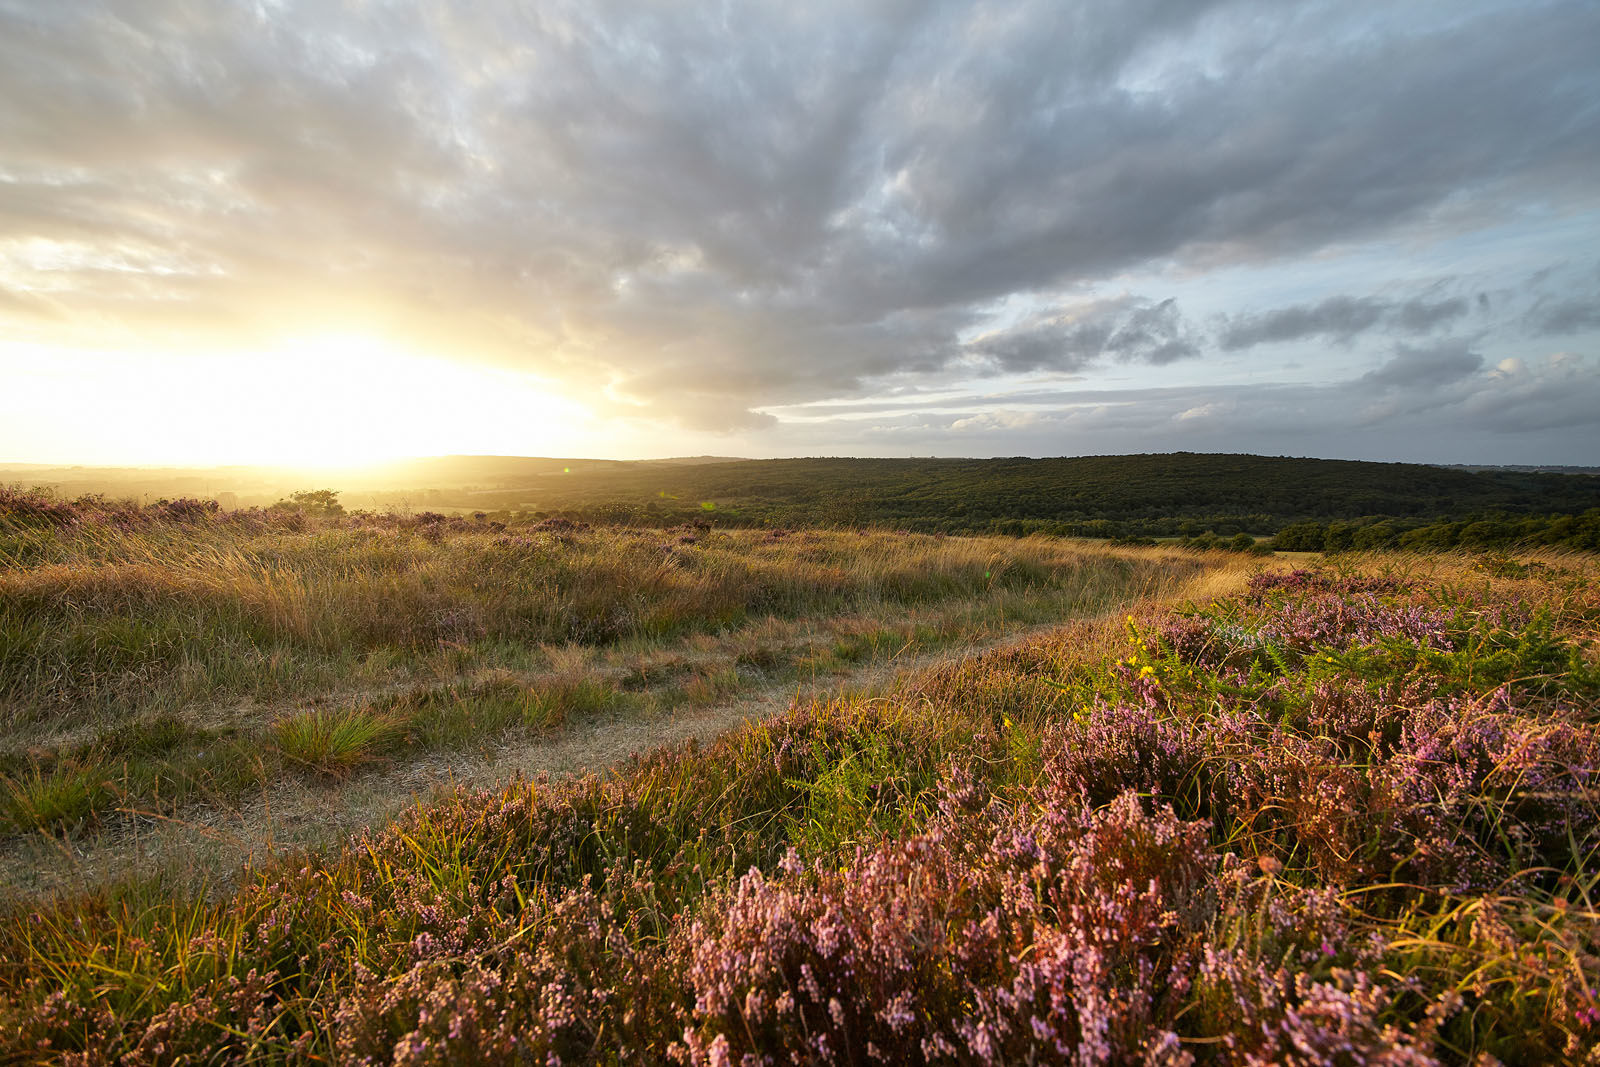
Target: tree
322,503
1300,537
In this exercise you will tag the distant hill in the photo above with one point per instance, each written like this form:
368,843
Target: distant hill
1549,468
699,459
1246,492
1161,494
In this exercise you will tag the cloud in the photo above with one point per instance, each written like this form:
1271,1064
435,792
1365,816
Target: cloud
999,420
1425,316
1126,329
1154,334
1202,411
1558,317
1431,405
1424,368
1340,319
693,213
1559,392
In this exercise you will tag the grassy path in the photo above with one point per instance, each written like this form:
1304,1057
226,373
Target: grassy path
207,840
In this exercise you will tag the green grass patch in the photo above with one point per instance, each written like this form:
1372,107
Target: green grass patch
333,742
55,800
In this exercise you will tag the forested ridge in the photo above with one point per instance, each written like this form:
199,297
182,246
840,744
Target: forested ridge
1161,495
1308,503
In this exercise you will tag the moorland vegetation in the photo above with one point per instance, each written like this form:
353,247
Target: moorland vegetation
1163,496
1225,812
1334,504
166,658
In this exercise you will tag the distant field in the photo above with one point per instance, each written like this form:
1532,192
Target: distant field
1182,494
1175,494
921,798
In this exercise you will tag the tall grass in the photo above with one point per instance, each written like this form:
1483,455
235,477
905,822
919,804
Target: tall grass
180,622
157,615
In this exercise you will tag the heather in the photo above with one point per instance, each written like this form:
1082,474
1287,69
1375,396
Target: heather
1337,816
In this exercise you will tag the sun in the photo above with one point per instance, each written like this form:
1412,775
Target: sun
317,400
344,399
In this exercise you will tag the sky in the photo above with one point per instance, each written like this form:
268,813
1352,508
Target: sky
340,230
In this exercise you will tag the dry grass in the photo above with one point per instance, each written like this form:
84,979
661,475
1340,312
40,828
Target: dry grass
265,770
113,623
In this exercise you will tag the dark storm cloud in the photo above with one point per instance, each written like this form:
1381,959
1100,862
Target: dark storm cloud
698,212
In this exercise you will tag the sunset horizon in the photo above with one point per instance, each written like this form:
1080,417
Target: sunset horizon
329,233
928,532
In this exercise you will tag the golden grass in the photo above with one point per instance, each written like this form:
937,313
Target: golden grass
236,631
266,613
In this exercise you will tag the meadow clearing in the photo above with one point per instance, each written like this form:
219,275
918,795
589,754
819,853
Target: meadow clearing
964,800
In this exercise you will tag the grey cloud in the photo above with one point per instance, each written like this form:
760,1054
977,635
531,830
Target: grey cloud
1340,319
1558,318
1424,316
1515,412
1561,392
1424,368
1154,334
1052,343
710,210
1128,329
1295,148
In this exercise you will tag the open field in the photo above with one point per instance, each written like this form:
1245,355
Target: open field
926,799
175,679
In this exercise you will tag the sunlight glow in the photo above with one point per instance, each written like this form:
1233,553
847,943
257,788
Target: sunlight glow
321,400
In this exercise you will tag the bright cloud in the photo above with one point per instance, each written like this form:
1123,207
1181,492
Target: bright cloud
691,223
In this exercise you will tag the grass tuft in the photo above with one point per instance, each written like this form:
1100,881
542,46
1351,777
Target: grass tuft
57,799
333,742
